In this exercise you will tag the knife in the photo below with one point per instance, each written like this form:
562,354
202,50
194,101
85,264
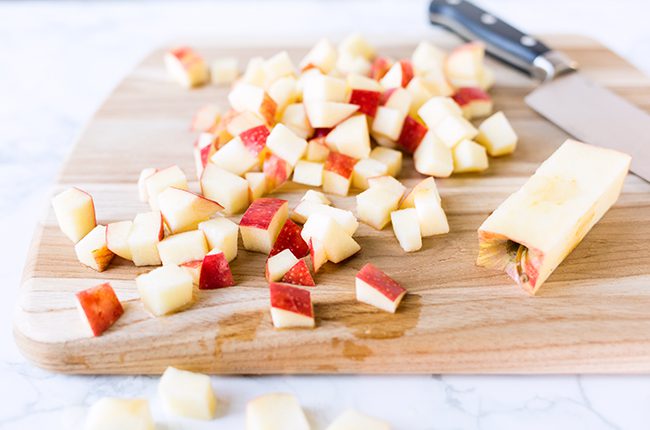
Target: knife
583,109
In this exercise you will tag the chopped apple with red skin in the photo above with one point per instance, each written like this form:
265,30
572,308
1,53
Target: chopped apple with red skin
289,238
497,136
388,122
295,118
375,205
364,169
183,210
276,171
186,67
215,271
469,156
308,173
427,57
390,158
117,238
317,254
254,139
323,114
322,55
338,244
279,264
399,75
205,118
291,307
420,93
194,269
433,157
187,394
204,147
344,218
367,100
224,70
406,227
351,137
246,97
161,180
452,130
75,213
239,123
256,185
317,151
225,188
99,307
182,247
146,232
299,275
165,290
412,134
142,188
428,184
437,109
474,102
283,92
338,173
235,157
92,250
464,65
276,67
286,145
397,98
380,66
124,414
262,223
377,289
277,411
221,233
324,88
389,183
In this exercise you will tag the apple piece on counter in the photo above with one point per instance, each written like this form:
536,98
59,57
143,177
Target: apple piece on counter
304,78
427,57
204,147
215,271
187,394
182,247
279,264
291,307
469,156
235,157
254,139
161,180
338,244
221,233
183,210
464,65
324,88
351,137
534,229
299,275
142,188
389,183
399,75
390,158
433,157
322,114
262,222
497,136
256,185
388,122
357,45
75,213
397,98
452,130
367,100
487,79
420,94
254,73
283,92
239,122
276,171
317,151
344,218
285,144
246,97
412,134
205,118
317,254
473,101
99,308
92,250
353,420
437,109
375,205
194,269
322,55
147,230
125,414
308,173
380,66
428,184
295,118
165,290
117,238
437,82
432,217
225,188
364,169
338,173
224,70
276,67
406,227
186,67
277,411
289,238
315,196
377,289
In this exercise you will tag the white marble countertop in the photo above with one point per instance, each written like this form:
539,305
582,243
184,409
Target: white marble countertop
59,60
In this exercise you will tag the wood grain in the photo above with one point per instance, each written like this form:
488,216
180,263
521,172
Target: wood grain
591,316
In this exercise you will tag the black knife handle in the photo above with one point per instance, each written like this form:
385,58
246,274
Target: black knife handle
502,40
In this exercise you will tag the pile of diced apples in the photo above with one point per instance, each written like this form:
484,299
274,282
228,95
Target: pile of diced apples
343,120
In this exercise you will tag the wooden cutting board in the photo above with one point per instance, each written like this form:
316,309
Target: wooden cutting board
593,315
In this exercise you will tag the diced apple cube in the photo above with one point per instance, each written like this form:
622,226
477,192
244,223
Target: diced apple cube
279,264
182,247
361,82
204,148
364,169
322,55
221,233
431,215
375,205
390,158
399,75
276,171
497,136
433,157
290,238
299,275
412,134
161,180
75,212
256,185
144,174
351,137
428,184
225,188
324,88
291,307
206,118
254,73
283,92
469,156
187,394
380,66
277,66
183,210
324,114
317,151
194,269
262,222
397,98
246,97
315,196
186,67
356,45
389,183
427,57
377,289
117,238
235,157
124,414
239,123
420,94
338,244
215,271
338,173
224,70
406,227
453,129
388,122
464,65
308,173
473,101
295,118
277,411
367,100
317,254
165,289
92,250
437,109
99,308
344,218
146,232
286,145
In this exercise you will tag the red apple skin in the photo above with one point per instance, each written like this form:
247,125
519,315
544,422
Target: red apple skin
205,152
276,170
299,275
261,212
254,139
467,95
311,255
215,272
292,299
340,164
289,238
101,307
367,101
412,134
380,67
321,132
383,283
407,72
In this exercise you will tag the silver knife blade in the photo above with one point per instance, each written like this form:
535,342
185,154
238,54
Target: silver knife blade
596,115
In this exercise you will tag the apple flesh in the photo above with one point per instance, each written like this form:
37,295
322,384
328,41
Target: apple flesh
75,213
299,274
324,114
205,118
250,98
256,185
262,222
186,67
125,414
165,290
497,136
187,394
238,123
364,169
295,118
182,247
146,232
317,150
324,88
377,289
380,66
277,411
276,67
337,174
344,218
215,271
225,188
338,244
452,130
388,123
224,70
428,184
432,157
291,307
117,238
204,148
427,57
469,156
235,157
161,180
406,227
351,137
375,205
276,171
391,158
279,264
399,75
420,93
315,196
353,420
289,238
142,188
322,56
99,308
92,250
308,173
183,210
437,109
286,145
432,217
283,92
474,102
464,65
389,183
222,234
397,98
317,254
254,139
194,269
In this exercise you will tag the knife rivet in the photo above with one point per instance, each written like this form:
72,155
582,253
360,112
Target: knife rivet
488,19
527,41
